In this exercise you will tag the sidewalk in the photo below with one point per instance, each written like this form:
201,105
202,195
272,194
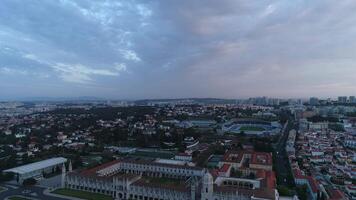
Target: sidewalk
7,198
48,193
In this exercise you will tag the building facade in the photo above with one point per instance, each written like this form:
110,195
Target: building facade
149,180
36,170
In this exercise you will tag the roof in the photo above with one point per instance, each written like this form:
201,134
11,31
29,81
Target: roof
270,180
336,194
233,156
298,174
147,162
313,184
261,158
257,193
225,168
93,171
173,164
164,184
37,165
184,154
170,162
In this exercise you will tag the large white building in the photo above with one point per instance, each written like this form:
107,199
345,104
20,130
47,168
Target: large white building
152,180
36,170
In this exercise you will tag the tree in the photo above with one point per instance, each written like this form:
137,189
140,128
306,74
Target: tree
242,133
77,162
284,191
6,177
302,192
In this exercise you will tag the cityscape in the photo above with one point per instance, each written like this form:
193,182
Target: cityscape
256,148
177,100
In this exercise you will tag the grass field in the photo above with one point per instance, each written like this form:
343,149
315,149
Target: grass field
82,194
18,198
251,128
2,189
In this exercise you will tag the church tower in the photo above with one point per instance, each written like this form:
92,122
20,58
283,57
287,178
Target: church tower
63,176
207,189
70,167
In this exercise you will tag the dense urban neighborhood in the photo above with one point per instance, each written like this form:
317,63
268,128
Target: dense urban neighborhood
259,148
177,100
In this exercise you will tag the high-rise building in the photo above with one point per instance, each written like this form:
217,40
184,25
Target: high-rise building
314,101
300,101
342,99
352,99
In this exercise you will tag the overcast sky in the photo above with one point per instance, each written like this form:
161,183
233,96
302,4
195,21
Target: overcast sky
177,48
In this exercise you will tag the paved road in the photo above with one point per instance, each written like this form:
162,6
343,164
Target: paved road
282,163
32,192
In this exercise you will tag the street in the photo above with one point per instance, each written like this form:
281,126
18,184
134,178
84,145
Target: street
34,192
282,163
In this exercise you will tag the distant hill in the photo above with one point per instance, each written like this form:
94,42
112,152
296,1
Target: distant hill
188,100
83,98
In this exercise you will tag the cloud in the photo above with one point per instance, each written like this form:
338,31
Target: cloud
77,33
10,71
225,48
130,55
120,67
14,72
82,74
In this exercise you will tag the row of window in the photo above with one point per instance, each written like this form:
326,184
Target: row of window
89,189
140,197
159,169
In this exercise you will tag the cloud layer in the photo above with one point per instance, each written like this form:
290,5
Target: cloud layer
170,48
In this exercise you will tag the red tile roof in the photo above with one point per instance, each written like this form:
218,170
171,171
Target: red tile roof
183,154
94,170
261,158
258,193
298,174
313,184
336,195
225,168
270,179
261,173
176,187
233,156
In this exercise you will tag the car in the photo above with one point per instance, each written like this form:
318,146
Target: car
34,194
26,192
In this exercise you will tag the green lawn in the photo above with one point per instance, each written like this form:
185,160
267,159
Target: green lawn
2,189
18,198
82,194
251,128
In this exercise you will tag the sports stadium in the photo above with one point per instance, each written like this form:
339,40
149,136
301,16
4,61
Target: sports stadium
251,127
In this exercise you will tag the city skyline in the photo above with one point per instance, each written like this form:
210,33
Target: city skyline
177,49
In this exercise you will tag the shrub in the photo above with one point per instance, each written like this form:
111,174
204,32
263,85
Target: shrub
6,177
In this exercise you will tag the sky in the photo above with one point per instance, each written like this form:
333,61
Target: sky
134,49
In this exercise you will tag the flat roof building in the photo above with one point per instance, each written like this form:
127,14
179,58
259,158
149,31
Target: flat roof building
37,169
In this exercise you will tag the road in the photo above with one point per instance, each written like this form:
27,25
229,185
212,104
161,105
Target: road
32,192
282,163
